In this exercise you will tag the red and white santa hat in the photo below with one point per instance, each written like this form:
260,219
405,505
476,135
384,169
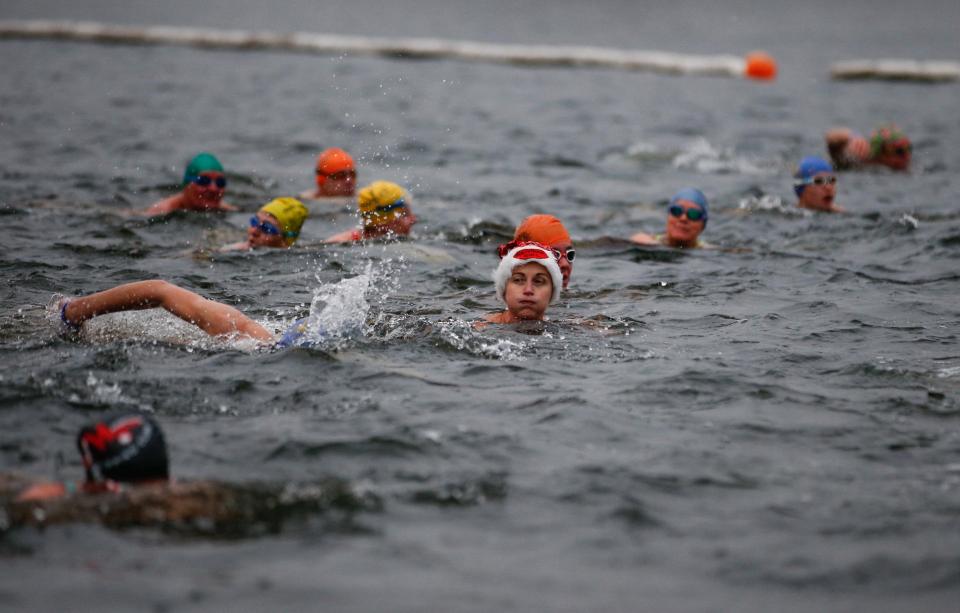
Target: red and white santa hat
519,253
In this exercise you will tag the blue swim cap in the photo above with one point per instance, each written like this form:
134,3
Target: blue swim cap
299,334
809,166
695,196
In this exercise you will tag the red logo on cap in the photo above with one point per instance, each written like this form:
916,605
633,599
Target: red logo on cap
103,435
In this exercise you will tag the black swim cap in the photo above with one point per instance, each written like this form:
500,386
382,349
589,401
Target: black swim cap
124,447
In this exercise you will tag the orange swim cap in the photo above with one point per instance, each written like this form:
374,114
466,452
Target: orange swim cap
545,229
334,160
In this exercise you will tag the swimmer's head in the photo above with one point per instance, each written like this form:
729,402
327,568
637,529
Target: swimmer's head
520,253
289,214
890,147
549,231
336,173
384,204
687,215
126,447
808,168
694,196
201,163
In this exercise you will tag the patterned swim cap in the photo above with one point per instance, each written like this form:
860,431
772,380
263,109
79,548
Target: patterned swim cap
124,447
528,253
883,135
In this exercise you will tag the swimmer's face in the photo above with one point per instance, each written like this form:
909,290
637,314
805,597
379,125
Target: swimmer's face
896,154
262,235
341,183
566,266
819,197
204,190
398,226
682,229
528,291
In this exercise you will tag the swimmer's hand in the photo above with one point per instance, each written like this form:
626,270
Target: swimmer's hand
837,137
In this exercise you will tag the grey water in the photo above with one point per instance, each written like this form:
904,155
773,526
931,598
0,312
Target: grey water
771,425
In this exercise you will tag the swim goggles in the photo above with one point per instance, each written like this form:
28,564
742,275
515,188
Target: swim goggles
385,208
902,150
692,214
820,180
558,254
338,176
204,181
268,228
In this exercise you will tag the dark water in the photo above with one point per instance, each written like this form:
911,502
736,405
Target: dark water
770,428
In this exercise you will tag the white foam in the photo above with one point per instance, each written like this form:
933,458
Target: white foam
701,156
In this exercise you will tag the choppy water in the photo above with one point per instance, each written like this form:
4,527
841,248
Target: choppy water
775,425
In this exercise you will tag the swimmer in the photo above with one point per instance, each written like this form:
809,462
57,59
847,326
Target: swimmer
686,219
203,187
277,224
548,230
125,449
336,175
128,483
385,212
527,280
887,146
816,185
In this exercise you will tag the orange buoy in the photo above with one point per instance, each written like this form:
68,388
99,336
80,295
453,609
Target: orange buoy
760,65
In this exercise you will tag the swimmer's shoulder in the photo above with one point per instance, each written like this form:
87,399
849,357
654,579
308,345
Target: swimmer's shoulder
642,238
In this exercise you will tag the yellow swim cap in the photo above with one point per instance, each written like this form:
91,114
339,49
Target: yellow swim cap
291,214
381,202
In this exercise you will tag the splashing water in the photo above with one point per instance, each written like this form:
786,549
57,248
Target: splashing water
701,156
462,336
338,311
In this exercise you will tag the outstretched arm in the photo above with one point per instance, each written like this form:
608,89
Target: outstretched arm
212,317
837,139
347,236
162,207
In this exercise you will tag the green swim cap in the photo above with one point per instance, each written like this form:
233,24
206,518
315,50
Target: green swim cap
202,162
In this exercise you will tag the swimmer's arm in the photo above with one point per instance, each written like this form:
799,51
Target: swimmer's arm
43,491
212,317
642,238
837,140
226,206
309,194
837,137
163,207
241,246
343,237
